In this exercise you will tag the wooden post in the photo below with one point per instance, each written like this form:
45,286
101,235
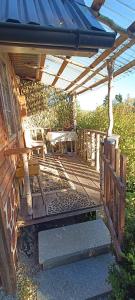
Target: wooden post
27,183
110,69
122,198
74,111
97,152
7,270
93,149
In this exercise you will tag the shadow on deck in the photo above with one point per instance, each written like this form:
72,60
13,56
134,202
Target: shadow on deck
70,187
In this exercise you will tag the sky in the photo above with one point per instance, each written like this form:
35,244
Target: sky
124,85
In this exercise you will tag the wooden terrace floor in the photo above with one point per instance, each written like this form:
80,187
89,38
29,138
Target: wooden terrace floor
69,186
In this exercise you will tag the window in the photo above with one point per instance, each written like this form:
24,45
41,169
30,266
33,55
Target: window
7,103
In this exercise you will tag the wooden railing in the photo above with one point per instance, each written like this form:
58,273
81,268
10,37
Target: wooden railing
88,146
113,190
103,154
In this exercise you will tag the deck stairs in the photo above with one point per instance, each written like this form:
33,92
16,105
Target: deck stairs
75,260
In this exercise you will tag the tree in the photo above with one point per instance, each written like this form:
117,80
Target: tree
105,101
118,99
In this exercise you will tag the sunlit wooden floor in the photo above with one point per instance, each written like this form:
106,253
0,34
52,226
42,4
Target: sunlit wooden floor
69,186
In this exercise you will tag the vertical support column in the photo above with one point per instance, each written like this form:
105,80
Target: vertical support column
97,151
27,183
110,69
93,149
74,111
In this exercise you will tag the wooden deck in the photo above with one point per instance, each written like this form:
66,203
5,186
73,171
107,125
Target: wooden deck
70,187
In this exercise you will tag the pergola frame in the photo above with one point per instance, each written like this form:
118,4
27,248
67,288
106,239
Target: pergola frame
126,40
84,81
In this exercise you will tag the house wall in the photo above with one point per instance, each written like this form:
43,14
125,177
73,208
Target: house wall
9,194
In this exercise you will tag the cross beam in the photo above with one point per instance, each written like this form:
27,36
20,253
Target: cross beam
41,66
116,73
116,54
104,55
61,69
97,4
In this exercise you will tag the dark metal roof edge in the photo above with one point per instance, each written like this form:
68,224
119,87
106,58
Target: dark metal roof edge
67,38
54,29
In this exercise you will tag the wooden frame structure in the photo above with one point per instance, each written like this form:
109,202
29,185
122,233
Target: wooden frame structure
95,70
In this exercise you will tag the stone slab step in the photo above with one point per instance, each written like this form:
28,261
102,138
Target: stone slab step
73,242
83,280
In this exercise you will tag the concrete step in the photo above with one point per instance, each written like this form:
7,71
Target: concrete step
73,242
83,280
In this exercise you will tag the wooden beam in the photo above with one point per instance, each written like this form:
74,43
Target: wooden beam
60,77
97,71
77,64
116,73
23,223
97,4
110,69
61,69
73,63
27,183
104,55
114,26
41,65
15,151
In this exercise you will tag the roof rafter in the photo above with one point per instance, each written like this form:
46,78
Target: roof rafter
59,77
41,66
116,73
73,63
95,8
97,4
119,41
114,56
61,69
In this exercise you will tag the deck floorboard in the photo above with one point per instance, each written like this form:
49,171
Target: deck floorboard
69,185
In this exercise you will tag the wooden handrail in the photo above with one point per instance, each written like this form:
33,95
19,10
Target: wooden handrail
16,151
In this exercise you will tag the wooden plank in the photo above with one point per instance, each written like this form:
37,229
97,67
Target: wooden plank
122,199
23,211
112,232
110,70
97,4
42,58
117,181
97,152
24,223
112,190
38,207
116,73
7,270
15,151
27,183
73,180
104,55
61,69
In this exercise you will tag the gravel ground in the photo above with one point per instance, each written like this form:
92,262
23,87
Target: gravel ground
27,266
4,297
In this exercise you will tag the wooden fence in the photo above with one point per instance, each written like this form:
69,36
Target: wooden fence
100,152
88,146
113,190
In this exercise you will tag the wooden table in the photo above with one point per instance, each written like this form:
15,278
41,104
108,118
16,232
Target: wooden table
60,137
